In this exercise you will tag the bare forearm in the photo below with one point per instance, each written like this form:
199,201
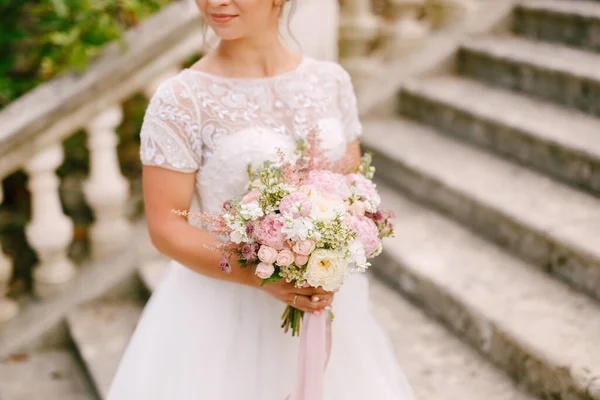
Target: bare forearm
193,248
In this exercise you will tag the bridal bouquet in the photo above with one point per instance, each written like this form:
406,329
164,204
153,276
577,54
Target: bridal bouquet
303,220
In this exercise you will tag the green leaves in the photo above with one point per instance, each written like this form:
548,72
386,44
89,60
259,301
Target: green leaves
273,278
46,37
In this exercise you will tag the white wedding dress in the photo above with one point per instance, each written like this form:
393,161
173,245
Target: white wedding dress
206,339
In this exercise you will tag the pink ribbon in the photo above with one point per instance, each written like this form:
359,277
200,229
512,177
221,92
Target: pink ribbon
315,348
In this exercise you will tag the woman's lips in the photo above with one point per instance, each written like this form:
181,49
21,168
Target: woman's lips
222,18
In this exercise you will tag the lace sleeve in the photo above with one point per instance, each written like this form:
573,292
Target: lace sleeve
168,138
349,107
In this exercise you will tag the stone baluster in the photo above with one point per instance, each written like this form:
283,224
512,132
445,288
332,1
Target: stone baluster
50,231
106,190
8,308
359,27
405,29
446,13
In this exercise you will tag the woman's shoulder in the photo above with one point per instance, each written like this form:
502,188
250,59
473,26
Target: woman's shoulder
328,69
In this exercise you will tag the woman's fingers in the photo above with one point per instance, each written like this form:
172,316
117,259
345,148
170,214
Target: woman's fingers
311,291
308,304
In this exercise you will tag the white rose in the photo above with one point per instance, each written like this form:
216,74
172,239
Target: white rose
357,257
326,268
325,207
264,271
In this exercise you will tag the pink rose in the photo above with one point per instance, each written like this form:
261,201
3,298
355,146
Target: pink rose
269,232
264,271
267,254
358,208
290,204
285,258
329,182
251,196
301,260
366,233
304,247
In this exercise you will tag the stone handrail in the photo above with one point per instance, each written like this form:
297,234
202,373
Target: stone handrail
33,127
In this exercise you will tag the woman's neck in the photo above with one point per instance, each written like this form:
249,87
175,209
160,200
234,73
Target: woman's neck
255,58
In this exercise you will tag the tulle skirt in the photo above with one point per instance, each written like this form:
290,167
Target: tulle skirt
205,339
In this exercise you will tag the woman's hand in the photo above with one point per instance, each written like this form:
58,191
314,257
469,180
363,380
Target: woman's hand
309,299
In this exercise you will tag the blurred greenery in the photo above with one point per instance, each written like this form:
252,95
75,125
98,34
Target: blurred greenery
40,39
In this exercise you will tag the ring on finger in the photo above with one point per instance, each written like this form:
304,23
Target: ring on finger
295,298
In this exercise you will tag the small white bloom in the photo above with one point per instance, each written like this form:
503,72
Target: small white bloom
326,268
297,228
251,211
371,206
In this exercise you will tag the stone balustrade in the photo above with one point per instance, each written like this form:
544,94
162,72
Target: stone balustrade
35,125
375,32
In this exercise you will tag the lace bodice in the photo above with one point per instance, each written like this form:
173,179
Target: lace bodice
215,126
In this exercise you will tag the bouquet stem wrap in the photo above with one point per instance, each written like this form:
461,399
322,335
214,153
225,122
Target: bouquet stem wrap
315,348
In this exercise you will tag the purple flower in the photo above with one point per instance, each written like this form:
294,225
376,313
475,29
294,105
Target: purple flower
224,265
250,228
227,205
249,251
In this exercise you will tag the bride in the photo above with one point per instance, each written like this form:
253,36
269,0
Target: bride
205,334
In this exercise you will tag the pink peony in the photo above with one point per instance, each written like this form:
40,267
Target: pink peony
264,271
329,182
251,196
285,258
267,254
304,247
269,232
290,204
301,259
366,233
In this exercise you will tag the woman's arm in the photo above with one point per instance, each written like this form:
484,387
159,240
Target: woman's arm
172,235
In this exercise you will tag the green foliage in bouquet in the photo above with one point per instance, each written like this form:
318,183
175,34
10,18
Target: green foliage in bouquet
39,39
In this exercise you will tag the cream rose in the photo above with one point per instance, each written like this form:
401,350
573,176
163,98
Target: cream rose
325,207
326,268
264,271
285,258
267,254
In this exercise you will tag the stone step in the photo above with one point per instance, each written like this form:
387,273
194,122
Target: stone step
438,365
551,225
47,375
555,140
575,23
542,333
101,331
556,73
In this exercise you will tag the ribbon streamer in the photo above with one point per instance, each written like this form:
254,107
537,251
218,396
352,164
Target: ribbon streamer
315,348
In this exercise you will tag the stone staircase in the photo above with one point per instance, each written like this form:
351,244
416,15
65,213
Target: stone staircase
494,172
491,285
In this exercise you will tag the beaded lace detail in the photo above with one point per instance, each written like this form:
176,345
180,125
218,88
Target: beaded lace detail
198,122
